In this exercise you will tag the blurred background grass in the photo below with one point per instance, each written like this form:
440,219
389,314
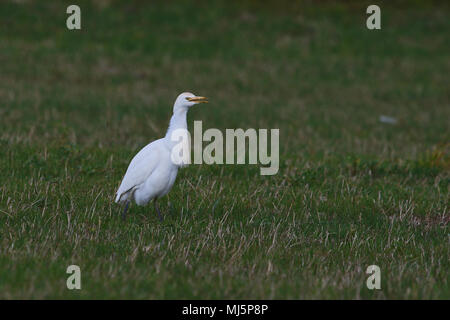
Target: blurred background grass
77,105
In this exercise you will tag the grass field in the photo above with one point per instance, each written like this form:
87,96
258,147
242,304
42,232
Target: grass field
75,106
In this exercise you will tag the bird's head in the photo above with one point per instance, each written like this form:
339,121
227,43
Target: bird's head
187,100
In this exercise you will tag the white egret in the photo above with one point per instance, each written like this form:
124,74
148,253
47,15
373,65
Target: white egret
151,173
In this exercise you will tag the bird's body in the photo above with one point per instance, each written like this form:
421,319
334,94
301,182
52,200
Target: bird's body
152,173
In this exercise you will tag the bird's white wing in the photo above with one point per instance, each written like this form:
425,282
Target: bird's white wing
140,168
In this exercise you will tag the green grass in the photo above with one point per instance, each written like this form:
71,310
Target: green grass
351,191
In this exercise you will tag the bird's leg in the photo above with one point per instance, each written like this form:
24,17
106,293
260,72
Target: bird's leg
157,210
124,213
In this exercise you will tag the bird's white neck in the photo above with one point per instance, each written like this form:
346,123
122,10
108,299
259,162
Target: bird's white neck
178,121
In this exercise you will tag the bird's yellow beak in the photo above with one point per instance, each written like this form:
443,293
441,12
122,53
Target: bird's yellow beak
198,99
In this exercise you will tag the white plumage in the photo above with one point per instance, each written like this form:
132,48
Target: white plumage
152,173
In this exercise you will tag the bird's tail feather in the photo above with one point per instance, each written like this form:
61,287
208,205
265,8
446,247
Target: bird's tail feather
124,196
